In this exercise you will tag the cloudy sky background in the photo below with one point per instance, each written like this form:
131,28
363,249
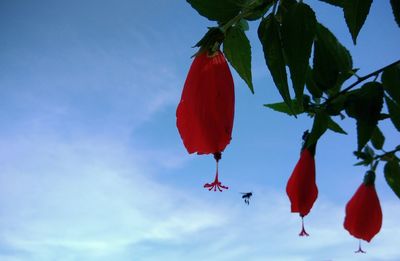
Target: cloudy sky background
93,168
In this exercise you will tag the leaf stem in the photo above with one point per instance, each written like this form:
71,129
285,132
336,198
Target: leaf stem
389,153
234,20
361,79
274,7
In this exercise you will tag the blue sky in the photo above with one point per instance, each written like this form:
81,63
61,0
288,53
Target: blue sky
93,168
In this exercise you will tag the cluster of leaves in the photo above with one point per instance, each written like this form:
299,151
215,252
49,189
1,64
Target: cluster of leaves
291,37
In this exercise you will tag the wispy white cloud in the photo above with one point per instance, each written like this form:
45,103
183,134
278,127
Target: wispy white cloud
89,197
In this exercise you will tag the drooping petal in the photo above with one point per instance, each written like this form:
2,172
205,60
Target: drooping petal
301,187
206,109
363,213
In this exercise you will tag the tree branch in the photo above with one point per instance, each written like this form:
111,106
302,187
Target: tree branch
361,79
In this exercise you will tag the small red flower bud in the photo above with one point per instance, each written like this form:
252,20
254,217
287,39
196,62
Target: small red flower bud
363,212
301,187
205,112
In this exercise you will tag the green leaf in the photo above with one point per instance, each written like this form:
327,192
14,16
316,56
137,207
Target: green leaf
365,105
269,35
362,163
298,32
355,14
243,24
284,7
311,85
283,107
333,126
392,175
261,8
213,35
363,155
336,106
370,152
332,62
396,10
217,10
338,3
391,81
377,139
237,50
319,127
394,112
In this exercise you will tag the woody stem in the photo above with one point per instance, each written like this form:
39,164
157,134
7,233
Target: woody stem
361,79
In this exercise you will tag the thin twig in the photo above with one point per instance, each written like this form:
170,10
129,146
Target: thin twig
361,79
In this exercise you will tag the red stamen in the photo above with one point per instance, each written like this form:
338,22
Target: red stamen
216,184
359,248
303,231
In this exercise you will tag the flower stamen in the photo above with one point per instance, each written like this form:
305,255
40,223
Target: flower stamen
303,231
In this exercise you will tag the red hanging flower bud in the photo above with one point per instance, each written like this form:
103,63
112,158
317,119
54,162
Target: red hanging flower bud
301,187
205,112
204,116
363,212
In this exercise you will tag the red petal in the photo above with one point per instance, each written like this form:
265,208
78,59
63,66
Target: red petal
301,187
363,213
205,112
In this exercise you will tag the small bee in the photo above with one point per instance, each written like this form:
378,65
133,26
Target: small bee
246,196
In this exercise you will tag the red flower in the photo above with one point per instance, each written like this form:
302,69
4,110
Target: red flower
204,116
363,212
205,112
301,188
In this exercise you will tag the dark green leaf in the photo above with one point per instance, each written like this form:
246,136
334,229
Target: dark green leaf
332,62
311,85
284,7
237,50
269,35
396,10
370,152
338,3
283,107
362,155
362,163
333,126
377,139
367,156
261,8
220,10
365,105
213,35
243,24
355,13
319,127
392,175
394,112
384,116
364,131
298,32
391,82
336,106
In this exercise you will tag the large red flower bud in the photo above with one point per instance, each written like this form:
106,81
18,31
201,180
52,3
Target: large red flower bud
301,187
205,112
363,212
